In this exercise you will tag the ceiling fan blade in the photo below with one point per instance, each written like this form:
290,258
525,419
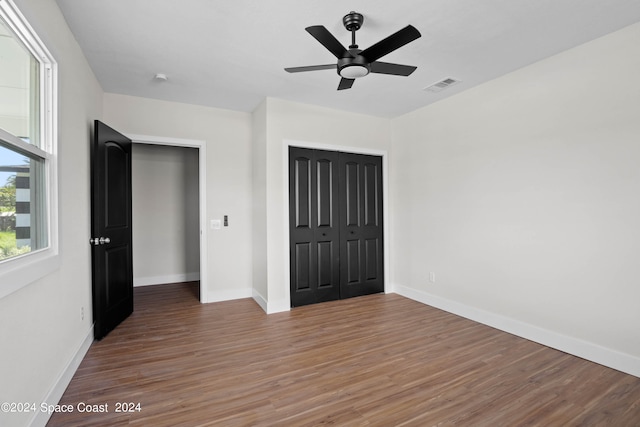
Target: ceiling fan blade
391,43
394,69
345,83
327,39
311,68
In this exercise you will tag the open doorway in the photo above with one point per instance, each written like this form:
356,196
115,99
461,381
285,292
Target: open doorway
166,241
169,243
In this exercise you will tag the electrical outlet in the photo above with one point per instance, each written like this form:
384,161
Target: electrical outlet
432,277
81,313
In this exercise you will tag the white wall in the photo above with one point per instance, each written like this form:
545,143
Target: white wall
228,170
285,122
259,202
522,196
166,232
41,328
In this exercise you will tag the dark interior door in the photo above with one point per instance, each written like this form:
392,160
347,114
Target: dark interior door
314,227
335,211
112,262
361,271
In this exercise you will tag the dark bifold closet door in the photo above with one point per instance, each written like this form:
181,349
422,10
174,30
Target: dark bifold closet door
360,203
335,210
315,229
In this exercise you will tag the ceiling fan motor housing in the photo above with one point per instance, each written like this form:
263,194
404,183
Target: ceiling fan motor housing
361,66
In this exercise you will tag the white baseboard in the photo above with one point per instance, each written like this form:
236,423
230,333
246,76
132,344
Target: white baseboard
161,280
278,306
228,295
62,382
584,349
271,307
262,302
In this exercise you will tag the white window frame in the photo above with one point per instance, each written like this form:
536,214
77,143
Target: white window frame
19,271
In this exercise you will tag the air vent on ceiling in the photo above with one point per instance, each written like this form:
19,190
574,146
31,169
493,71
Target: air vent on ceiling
442,85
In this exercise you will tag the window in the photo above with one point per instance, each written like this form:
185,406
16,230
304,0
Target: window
28,204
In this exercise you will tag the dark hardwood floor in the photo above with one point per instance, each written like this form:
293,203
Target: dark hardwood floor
379,360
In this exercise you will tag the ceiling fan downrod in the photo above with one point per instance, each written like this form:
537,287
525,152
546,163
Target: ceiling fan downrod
352,22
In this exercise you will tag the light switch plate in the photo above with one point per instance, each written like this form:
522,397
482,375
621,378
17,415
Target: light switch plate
216,224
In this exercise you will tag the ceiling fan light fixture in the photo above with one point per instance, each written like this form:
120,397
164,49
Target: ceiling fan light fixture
354,71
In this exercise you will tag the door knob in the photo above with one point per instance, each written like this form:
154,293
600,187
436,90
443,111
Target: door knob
99,241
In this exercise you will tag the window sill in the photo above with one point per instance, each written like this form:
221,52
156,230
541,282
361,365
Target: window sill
17,273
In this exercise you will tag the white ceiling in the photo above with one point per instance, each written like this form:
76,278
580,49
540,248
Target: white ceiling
231,54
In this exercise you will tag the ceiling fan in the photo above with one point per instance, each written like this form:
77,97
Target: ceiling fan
354,63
